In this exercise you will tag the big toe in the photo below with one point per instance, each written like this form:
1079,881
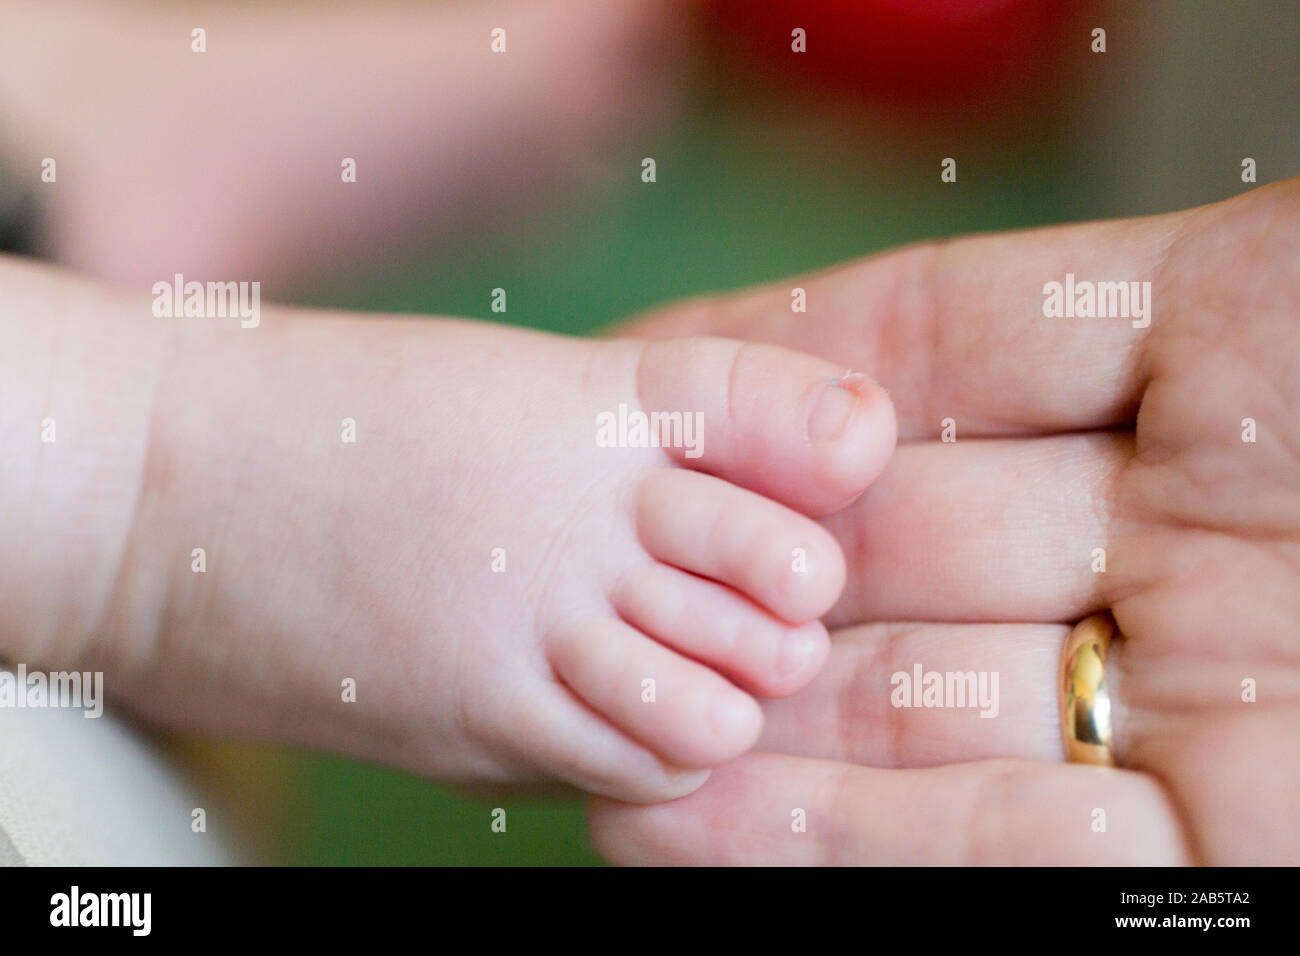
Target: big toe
784,424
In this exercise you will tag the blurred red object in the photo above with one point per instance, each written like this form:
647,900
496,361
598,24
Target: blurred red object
938,50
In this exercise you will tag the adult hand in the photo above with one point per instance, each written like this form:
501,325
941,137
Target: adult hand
1175,447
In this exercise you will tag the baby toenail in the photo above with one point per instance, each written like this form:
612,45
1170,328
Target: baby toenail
796,648
832,410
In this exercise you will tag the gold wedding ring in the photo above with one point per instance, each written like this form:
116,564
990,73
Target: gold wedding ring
1085,692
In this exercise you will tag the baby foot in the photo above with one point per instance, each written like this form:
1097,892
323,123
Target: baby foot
518,578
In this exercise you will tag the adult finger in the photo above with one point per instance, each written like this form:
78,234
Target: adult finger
869,706
765,809
956,329
985,530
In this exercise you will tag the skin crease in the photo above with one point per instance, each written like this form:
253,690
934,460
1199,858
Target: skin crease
1073,434
373,560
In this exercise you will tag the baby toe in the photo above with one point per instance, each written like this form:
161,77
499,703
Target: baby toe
715,625
678,708
778,558
784,424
